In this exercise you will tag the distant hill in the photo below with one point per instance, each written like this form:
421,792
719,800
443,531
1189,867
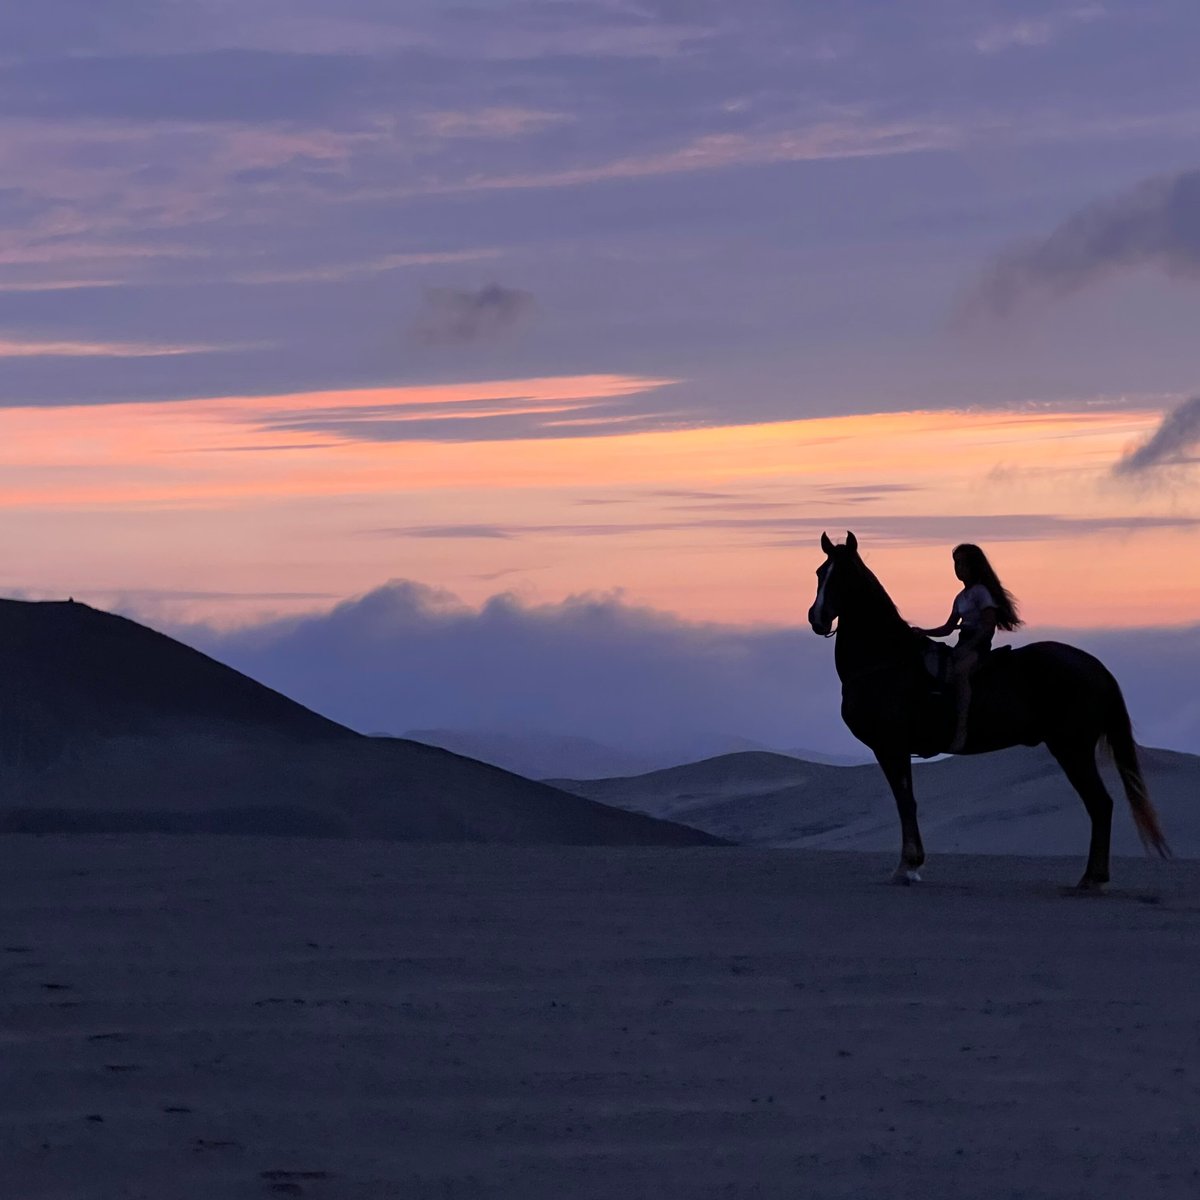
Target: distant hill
1012,802
107,726
538,754
831,760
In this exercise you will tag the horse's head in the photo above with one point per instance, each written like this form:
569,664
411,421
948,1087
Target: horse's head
832,576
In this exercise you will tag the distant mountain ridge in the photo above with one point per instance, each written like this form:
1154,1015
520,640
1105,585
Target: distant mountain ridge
108,726
538,754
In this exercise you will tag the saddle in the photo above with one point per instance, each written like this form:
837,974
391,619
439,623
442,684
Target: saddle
937,657
937,724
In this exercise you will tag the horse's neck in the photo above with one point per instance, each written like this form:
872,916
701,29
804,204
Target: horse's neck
870,631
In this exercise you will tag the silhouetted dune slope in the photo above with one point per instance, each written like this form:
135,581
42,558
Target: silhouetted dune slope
1012,802
68,672
106,726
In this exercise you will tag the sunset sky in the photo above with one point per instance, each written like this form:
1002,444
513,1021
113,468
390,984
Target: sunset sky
606,306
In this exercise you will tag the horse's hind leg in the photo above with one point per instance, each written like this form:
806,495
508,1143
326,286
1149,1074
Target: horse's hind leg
1078,761
897,767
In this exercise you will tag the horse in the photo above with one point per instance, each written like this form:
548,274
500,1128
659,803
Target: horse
1044,692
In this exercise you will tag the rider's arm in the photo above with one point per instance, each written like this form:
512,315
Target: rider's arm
945,630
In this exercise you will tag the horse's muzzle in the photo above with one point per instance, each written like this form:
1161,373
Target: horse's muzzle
818,626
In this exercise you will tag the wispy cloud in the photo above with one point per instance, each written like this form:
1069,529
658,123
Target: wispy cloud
459,531
906,530
1035,32
30,348
1156,224
499,122
342,440
337,272
823,141
55,285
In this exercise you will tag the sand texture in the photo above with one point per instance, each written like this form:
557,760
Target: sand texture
219,1018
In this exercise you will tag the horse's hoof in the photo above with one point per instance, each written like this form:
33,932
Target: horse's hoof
1088,884
906,876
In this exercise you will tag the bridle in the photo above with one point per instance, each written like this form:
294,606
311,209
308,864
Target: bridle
833,624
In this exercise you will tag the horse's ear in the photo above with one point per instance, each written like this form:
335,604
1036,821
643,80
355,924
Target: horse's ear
851,542
826,544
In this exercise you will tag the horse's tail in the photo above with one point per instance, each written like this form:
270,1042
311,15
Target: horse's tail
1119,733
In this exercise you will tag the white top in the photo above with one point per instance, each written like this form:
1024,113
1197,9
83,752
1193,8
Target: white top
970,603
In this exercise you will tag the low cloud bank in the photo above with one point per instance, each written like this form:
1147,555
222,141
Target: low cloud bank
408,656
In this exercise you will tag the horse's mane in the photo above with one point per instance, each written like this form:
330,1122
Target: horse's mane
878,593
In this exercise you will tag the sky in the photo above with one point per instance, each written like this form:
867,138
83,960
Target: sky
329,322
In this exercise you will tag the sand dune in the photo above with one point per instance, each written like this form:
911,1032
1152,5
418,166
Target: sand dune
106,726
194,1018
372,788
1012,802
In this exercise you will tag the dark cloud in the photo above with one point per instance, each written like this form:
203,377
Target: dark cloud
853,491
456,317
1157,224
406,656
1178,433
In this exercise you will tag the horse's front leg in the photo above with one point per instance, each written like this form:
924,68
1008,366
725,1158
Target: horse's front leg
897,767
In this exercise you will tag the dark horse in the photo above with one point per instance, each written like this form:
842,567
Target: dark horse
1044,692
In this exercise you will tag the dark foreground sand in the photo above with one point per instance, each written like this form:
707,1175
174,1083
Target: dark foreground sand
225,1018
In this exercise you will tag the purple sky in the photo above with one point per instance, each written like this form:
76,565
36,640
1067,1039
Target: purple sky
761,196
764,214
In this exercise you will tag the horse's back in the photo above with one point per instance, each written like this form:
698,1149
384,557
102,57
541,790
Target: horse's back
1052,659
1024,692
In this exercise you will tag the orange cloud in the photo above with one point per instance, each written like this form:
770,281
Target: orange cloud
710,522
224,448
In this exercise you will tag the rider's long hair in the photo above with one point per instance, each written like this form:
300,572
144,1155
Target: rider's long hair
981,571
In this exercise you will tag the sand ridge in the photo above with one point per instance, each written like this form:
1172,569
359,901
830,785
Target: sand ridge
1011,802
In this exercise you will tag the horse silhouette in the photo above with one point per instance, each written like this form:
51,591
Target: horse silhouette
1044,692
